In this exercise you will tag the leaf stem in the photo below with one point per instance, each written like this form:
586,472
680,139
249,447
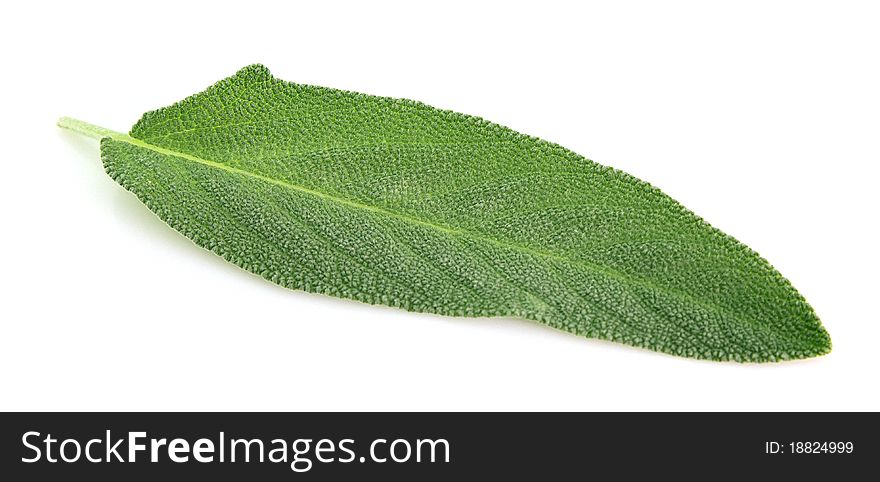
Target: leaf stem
90,130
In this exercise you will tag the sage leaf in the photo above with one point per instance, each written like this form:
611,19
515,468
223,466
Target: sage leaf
393,202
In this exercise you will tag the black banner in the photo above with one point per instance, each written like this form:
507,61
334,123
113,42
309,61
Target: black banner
429,446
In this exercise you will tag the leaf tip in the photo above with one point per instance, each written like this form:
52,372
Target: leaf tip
824,346
815,342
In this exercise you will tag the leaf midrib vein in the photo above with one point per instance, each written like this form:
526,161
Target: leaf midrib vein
619,275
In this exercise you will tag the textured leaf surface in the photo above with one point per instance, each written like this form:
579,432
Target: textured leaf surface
393,202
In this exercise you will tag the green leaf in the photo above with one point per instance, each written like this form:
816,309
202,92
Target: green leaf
394,202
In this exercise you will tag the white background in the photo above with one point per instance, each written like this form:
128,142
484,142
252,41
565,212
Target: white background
762,117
